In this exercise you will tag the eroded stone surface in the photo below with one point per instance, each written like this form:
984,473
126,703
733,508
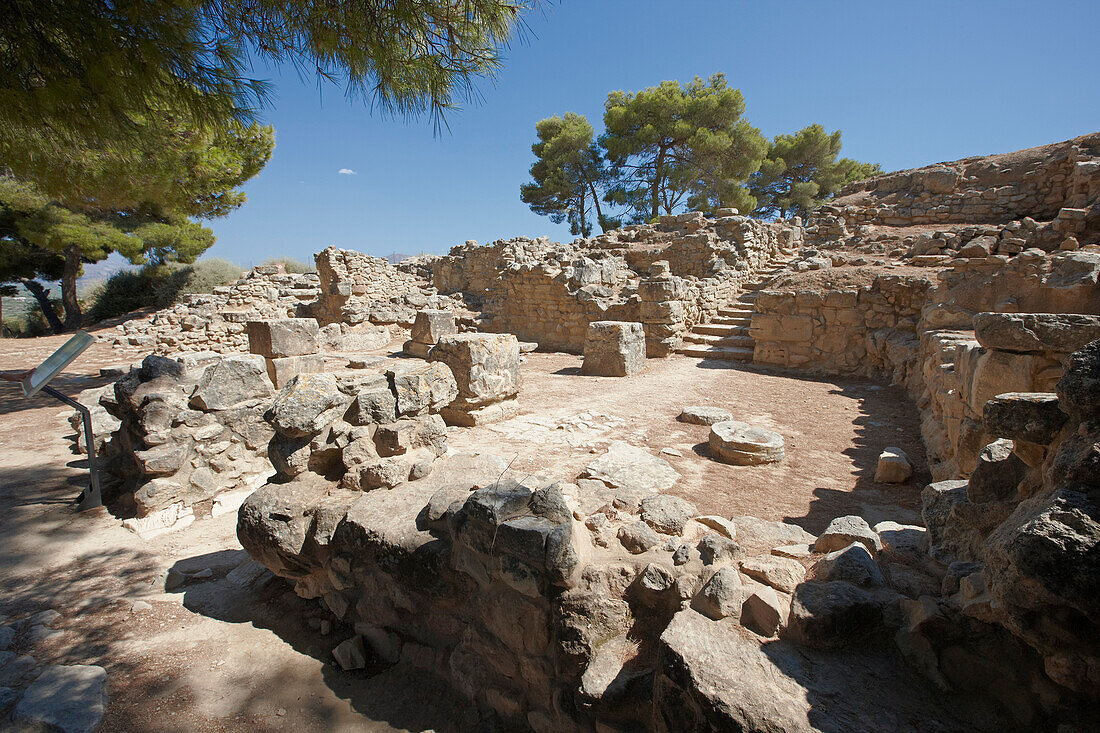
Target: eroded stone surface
744,445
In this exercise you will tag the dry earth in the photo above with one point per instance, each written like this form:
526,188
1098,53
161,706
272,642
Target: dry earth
214,655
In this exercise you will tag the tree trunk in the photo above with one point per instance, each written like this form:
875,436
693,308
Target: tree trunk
73,317
584,229
599,211
43,297
657,167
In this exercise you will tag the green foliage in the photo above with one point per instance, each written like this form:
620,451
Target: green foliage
90,75
159,286
802,170
28,324
674,144
569,174
291,265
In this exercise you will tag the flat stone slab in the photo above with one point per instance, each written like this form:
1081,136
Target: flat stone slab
1031,416
1060,332
705,415
71,698
632,469
744,445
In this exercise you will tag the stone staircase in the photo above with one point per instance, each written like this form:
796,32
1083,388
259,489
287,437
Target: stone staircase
726,337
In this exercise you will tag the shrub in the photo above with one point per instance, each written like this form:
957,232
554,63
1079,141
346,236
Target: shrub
158,286
291,265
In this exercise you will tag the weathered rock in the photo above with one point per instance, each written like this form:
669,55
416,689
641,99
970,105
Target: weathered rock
714,548
780,573
667,514
70,698
744,445
485,367
998,474
374,406
705,415
843,531
721,596
614,349
432,325
853,564
831,615
637,537
422,388
350,654
306,405
893,466
1036,332
1079,388
283,337
285,368
1030,416
632,469
757,533
764,611
908,539
229,382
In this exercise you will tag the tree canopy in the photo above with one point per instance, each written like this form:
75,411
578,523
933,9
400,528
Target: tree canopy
188,174
674,144
569,174
801,171
89,75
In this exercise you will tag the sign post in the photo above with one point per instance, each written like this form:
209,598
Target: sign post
39,381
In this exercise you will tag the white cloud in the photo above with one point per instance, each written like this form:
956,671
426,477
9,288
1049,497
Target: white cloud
346,172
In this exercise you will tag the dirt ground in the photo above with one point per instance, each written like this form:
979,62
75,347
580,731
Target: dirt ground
216,655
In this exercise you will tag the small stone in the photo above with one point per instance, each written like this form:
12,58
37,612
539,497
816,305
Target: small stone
71,698
842,531
632,469
853,564
902,538
793,551
720,596
139,606
830,615
8,696
7,633
350,654
637,537
704,415
893,466
682,554
721,525
764,612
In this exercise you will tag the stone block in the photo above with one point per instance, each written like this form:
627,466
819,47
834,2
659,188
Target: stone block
893,466
1029,416
283,369
494,413
614,349
744,445
1036,332
417,349
229,382
432,325
283,337
485,367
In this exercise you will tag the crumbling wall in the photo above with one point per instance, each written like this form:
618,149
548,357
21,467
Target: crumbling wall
215,321
355,288
1040,183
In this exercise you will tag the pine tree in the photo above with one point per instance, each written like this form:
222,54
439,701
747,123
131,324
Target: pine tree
801,171
569,174
674,144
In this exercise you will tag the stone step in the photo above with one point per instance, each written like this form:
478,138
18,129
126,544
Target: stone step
735,313
744,320
716,353
716,329
743,341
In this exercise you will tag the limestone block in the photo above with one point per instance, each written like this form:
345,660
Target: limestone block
485,367
417,349
998,372
772,327
422,387
283,369
614,349
306,405
1036,332
704,415
1033,417
283,337
496,412
432,325
893,466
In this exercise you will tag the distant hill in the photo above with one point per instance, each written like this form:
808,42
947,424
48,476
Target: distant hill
397,257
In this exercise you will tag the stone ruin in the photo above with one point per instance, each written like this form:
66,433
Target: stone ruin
598,601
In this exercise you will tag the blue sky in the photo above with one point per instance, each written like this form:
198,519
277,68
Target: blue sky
908,84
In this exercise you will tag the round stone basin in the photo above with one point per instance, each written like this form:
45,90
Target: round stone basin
744,445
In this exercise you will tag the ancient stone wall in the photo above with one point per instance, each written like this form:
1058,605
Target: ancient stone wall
869,330
549,292
1059,181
